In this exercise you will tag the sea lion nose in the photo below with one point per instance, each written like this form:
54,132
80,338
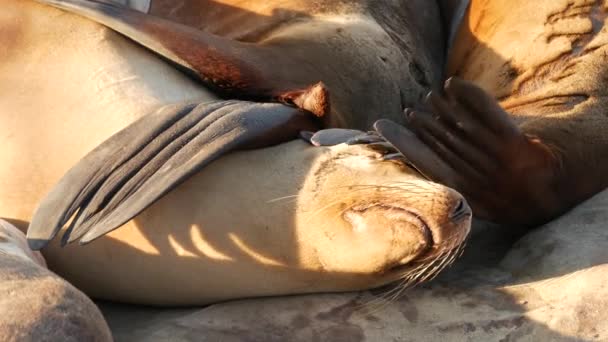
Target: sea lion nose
460,211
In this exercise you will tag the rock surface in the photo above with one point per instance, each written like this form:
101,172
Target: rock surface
551,286
36,304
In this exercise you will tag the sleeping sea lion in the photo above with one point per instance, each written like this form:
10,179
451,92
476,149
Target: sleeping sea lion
521,131
225,232
144,162
318,219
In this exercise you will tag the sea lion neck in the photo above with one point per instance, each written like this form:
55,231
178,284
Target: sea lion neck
397,42
256,19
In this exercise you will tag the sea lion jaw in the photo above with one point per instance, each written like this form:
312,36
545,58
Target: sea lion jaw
375,217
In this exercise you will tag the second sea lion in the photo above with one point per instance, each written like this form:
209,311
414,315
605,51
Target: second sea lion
522,131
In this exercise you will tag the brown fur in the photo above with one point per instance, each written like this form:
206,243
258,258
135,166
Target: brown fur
375,57
546,63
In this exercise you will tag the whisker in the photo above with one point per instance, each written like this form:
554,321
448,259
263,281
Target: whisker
281,198
425,271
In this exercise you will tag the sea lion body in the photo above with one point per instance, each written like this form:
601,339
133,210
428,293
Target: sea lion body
523,138
545,62
47,97
314,220
226,232
375,57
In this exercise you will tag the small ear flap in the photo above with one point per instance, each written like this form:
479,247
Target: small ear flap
230,68
314,99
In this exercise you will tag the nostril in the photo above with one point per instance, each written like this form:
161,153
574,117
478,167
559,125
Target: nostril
461,210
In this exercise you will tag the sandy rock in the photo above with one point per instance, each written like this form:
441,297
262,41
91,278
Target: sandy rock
36,304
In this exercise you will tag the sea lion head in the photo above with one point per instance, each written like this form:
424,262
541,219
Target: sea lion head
381,219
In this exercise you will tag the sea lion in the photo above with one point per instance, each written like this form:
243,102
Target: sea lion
522,135
217,244
106,190
38,304
323,219
373,57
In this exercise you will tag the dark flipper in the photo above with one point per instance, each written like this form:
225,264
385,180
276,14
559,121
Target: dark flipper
471,144
371,140
136,166
231,68
330,136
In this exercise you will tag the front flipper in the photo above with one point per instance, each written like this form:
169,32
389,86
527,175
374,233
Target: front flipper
371,140
136,166
471,144
330,136
232,69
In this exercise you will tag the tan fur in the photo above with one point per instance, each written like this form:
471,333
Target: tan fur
61,74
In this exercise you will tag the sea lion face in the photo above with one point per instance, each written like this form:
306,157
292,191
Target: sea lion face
381,218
